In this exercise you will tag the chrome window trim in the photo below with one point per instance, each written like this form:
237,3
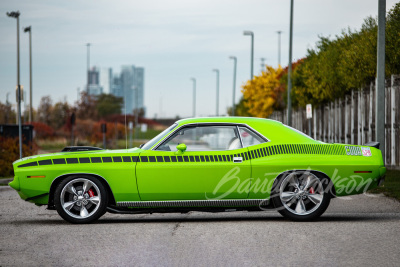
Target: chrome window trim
240,137
254,131
211,123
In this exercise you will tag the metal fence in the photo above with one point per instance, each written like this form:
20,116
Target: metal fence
351,119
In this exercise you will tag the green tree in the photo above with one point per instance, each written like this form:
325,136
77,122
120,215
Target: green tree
86,107
107,104
393,40
59,115
7,114
44,110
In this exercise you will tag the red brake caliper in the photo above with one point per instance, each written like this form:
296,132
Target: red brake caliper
311,190
90,192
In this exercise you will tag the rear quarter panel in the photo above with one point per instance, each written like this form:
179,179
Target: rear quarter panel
330,159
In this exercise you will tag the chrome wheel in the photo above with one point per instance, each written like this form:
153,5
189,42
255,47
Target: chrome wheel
301,193
80,198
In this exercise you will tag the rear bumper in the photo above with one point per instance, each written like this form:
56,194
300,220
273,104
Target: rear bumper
381,180
382,174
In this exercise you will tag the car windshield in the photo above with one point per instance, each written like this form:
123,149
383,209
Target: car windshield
155,140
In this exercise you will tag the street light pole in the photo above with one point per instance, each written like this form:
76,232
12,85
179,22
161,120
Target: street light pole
279,47
252,52
194,96
217,106
88,67
137,113
29,29
380,83
234,83
16,15
289,99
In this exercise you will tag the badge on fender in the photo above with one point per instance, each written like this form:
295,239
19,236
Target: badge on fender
366,151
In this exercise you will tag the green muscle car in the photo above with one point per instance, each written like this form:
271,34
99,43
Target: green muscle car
202,164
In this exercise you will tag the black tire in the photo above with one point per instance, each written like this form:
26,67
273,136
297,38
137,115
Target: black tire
80,207
288,207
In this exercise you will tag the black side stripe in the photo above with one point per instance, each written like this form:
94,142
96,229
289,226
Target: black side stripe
72,160
45,162
95,160
30,164
266,151
126,159
84,160
107,159
58,161
117,159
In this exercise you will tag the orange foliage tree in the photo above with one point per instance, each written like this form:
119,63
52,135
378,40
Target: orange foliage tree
9,152
262,92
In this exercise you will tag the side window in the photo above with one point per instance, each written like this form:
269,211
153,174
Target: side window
249,138
204,138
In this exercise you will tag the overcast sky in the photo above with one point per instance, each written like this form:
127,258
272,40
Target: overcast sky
172,40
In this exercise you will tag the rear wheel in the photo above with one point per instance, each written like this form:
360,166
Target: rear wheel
80,199
301,196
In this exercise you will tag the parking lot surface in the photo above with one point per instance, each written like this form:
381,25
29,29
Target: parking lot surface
362,230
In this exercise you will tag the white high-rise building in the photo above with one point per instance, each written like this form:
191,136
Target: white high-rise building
132,85
106,80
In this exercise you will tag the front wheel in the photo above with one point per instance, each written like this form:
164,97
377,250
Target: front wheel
80,199
301,196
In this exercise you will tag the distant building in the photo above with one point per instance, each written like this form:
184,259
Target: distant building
116,88
94,87
139,81
129,85
106,79
132,84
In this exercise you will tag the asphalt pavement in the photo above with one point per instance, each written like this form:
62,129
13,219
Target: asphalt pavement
362,230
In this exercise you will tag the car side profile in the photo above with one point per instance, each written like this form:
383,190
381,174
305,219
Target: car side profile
202,164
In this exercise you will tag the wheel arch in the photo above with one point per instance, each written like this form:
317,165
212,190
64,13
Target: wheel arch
58,180
332,190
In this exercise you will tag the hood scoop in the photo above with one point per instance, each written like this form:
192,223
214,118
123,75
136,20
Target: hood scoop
80,148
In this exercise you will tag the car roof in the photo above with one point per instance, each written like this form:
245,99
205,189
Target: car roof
226,119
274,131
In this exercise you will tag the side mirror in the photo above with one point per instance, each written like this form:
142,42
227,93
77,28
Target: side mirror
181,148
141,145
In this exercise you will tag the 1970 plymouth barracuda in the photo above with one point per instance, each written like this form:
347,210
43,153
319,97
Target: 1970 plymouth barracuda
202,164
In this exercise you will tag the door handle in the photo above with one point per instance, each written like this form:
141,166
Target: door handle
237,159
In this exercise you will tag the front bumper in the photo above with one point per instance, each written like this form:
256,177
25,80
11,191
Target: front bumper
15,184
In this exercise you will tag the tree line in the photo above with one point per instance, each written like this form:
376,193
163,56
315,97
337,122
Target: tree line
335,67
